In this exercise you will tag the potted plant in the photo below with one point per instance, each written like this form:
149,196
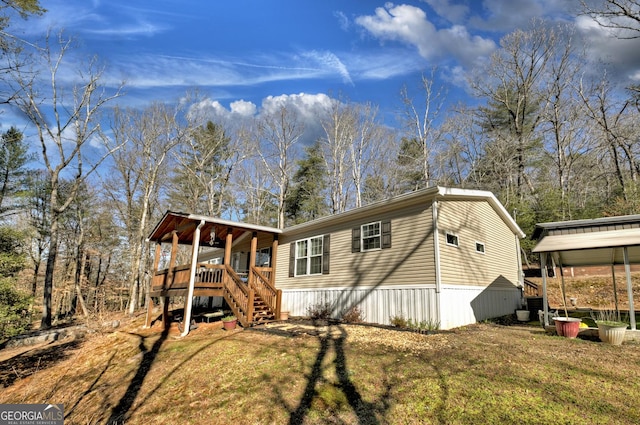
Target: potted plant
566,326
522,314
229,322
611,329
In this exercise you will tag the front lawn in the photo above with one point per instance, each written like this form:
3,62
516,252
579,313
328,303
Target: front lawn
484,374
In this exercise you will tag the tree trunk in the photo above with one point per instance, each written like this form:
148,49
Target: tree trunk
48,277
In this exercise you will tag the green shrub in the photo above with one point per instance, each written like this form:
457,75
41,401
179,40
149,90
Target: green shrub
15,309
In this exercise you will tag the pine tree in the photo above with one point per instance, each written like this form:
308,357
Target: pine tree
306,200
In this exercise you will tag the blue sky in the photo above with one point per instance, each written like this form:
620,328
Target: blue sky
246,55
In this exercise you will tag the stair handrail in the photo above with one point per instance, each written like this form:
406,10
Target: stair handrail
531,289
263,287
238,296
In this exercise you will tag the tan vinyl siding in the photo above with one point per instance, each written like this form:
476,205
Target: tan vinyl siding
476,221
409,261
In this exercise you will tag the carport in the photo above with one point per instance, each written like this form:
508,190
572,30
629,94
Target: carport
596,242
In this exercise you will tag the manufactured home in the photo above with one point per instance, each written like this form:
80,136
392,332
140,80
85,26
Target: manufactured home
443,256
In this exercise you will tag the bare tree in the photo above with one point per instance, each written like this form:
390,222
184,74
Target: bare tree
365,146
279,132
140,168
621,16
566,130
512,83
340,131
616,122
420,124
66,118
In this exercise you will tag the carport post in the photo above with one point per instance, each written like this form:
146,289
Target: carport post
627,270
545,308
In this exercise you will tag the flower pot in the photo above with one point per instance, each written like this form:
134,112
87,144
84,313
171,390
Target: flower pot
230,325
284,315
612,333
522,315
567,327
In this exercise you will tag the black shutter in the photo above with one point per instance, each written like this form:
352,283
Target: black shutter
292,259
386,234
355,239
325,254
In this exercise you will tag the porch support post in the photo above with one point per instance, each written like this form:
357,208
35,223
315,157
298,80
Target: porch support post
156,262
156,259
545,308
274,257
172,259
149,312
165,313
188,303
615,285
227,246
627,270
169,281
252,256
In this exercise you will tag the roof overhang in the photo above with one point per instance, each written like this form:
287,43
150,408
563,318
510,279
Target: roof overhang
184,226
422,196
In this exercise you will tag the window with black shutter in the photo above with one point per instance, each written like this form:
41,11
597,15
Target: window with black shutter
371,236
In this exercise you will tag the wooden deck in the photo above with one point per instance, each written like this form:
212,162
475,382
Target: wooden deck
253,298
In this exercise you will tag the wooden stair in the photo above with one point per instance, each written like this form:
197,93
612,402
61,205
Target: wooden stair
262,313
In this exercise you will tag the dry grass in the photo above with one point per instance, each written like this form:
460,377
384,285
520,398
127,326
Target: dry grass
333,374
592,291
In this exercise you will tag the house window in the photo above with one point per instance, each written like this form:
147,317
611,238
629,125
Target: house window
452,239
308,256
480,247
371,236
263,257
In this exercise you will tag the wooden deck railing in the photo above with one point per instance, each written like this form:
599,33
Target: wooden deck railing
260,282
208,276
239,296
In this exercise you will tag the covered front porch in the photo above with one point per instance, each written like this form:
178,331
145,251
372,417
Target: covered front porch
244,279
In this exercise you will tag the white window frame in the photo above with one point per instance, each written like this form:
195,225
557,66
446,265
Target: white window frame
262,253
457,239
308,256
378,236
484,247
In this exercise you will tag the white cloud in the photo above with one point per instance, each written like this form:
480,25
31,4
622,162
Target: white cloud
330,61
621,58
342,20
308,107
409,24
243,108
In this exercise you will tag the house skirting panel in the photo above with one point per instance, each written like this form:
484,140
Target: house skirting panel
459,305
378,305
463,305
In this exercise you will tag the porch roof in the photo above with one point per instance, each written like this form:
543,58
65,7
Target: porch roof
185,225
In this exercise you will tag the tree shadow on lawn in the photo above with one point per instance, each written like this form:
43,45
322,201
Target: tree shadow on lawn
334,338
34,360
120,413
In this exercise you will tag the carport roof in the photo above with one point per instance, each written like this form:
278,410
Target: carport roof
591,242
